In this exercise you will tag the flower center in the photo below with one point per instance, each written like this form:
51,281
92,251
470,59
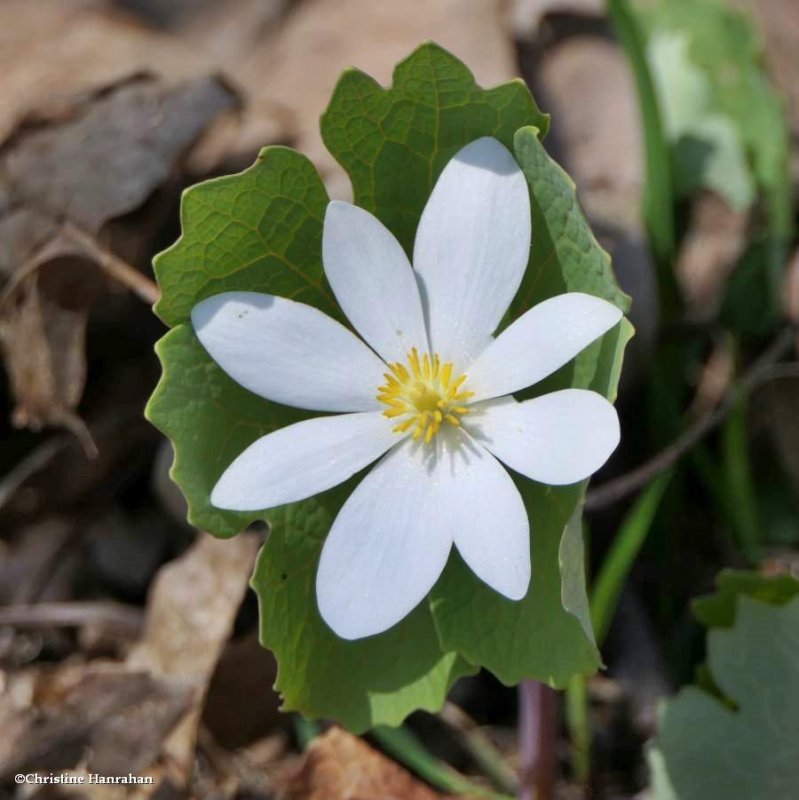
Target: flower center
424,395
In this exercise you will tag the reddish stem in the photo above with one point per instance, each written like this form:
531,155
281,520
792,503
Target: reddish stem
537,709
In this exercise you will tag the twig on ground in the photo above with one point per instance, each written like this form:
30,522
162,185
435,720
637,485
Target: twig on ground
114,266
75,614
760,370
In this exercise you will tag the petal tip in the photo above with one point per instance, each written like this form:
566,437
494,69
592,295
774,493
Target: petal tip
223,498
488,153
345,625
335,207
518,591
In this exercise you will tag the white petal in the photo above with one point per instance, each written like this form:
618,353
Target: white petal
471,248
541,341
493,533
301,460
373,281
558,438
385,549
288,352
391,539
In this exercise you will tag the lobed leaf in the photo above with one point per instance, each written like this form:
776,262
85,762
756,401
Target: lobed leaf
394,142
746,747
717,610
547,635
261,230
363,683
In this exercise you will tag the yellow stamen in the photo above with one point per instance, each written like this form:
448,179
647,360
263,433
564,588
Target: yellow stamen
422,395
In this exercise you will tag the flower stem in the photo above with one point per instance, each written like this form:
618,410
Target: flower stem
536,741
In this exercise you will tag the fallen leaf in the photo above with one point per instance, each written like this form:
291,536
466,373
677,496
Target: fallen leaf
716,238
340,766
115,717
52,52
42,335
112,152
62,182
191,611
586,84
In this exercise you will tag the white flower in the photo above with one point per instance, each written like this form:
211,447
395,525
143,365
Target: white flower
430,391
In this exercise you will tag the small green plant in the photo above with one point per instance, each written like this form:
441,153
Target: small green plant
733,736
370,610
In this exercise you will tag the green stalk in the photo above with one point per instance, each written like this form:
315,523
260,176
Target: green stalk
658,202
740,495
579,725
616,566
403,746
604,599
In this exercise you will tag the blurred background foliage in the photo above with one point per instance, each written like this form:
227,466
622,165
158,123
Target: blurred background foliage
679,122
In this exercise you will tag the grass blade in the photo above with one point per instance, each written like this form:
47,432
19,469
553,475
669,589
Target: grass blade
617,563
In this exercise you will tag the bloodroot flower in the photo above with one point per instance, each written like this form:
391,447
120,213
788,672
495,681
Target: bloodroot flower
427,390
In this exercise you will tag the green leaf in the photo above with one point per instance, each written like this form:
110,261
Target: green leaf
477,622
210,420
362,683
571,557
706,750
531,638
708,151
395,142
718,609
261,230
708,61
565,255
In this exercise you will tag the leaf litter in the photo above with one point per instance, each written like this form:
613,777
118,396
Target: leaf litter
77,682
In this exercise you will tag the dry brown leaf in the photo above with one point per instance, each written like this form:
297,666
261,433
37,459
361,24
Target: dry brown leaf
340,766
114,717
586,84
140,716
191,611
43,320
716,238
53,51
297,66
110,154
62,183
